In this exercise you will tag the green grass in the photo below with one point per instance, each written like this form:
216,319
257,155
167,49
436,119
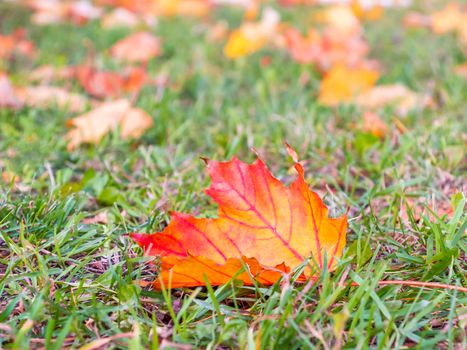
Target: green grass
65,282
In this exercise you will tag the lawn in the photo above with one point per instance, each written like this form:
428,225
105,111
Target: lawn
70,275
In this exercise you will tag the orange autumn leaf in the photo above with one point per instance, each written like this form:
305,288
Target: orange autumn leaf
370,13
304,49
448,19
92,126
185,8
16,43
342,84
340,18
326,49
103,84
261,223
373,124
461,70
252,36
137,47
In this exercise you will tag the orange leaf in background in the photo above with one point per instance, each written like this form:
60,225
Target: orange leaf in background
103,84
304,49
370,13
92,126
327,49
16,43
137,47
461,70
373,124
269,227
252,36
448,19
342,84
339,18
192,8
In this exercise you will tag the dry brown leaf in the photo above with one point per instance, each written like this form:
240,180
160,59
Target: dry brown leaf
92,126
46,96
396,94
100,218
137,47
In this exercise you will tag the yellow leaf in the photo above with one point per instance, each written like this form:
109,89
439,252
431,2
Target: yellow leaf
342,84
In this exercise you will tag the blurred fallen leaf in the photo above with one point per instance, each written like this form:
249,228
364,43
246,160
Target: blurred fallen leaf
342,84
340,18
92,126
252,36
373,124
16,43
104,84
371,12
56,11
218,32
121,17
137,47
448,19
416,20
304,49
398,95
8,97
461,70
184,8
48,73
47,96
9,177
326,49
82,11
100,218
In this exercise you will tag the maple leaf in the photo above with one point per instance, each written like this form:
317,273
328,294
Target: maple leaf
262,224
92,126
